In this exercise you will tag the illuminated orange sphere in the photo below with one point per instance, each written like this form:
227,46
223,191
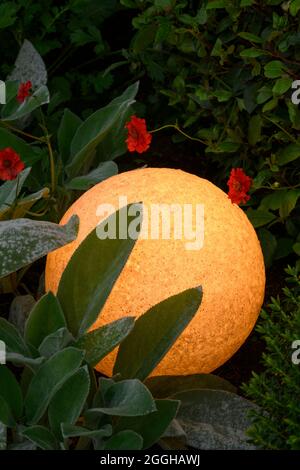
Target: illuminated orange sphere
229,267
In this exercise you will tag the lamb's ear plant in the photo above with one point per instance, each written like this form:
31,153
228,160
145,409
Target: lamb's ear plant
56,400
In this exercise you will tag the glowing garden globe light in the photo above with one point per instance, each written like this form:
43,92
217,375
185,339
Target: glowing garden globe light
224,257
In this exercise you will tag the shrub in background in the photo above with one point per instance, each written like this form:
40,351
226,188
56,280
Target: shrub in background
277,389
226,69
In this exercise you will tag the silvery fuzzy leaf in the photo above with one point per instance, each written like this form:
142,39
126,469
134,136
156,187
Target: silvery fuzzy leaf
215,419
23,241
19,310
29,65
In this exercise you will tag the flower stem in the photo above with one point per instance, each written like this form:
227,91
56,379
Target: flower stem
50,151
175,126
18,131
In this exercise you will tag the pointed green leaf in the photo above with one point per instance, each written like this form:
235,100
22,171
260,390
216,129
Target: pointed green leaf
14,110
55,342
6,416
124,440
49,378
10,190
11,392
69,430
98,343
102,172
66,131
139,353
167,385
152,426
126,398
12,338
91,273
92,131
260,217
67,404
46,317
288,154
41,436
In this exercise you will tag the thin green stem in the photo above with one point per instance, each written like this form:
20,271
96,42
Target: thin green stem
50,151
18,131
281,128
175,126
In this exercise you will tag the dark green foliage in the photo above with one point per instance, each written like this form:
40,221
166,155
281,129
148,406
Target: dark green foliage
277,389
224,71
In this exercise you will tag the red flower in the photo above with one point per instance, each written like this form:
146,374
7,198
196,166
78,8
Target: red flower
138,139
24,91
239,184
10,164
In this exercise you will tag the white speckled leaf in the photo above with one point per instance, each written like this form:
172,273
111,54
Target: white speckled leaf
215,419
23,241
3,436
29,65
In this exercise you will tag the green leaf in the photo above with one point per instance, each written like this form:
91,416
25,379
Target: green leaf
296,248
11,392
12,338
69,430
67,404
126,398
14,110
24,360
268,244
270,105
102,172
23,241
289,202
215,4
264,94
152,426
124,440
139,353
98,343
252,52
48,380
55,342
254,129
114,144
66,131
10,190
274,69
251,37
23,205
41,436
46,317
214,419
8,14
284,247
91,273
6,416
165,386
294,7
282,85
288,154
273,201
94,130
27,153
222,95
260,217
